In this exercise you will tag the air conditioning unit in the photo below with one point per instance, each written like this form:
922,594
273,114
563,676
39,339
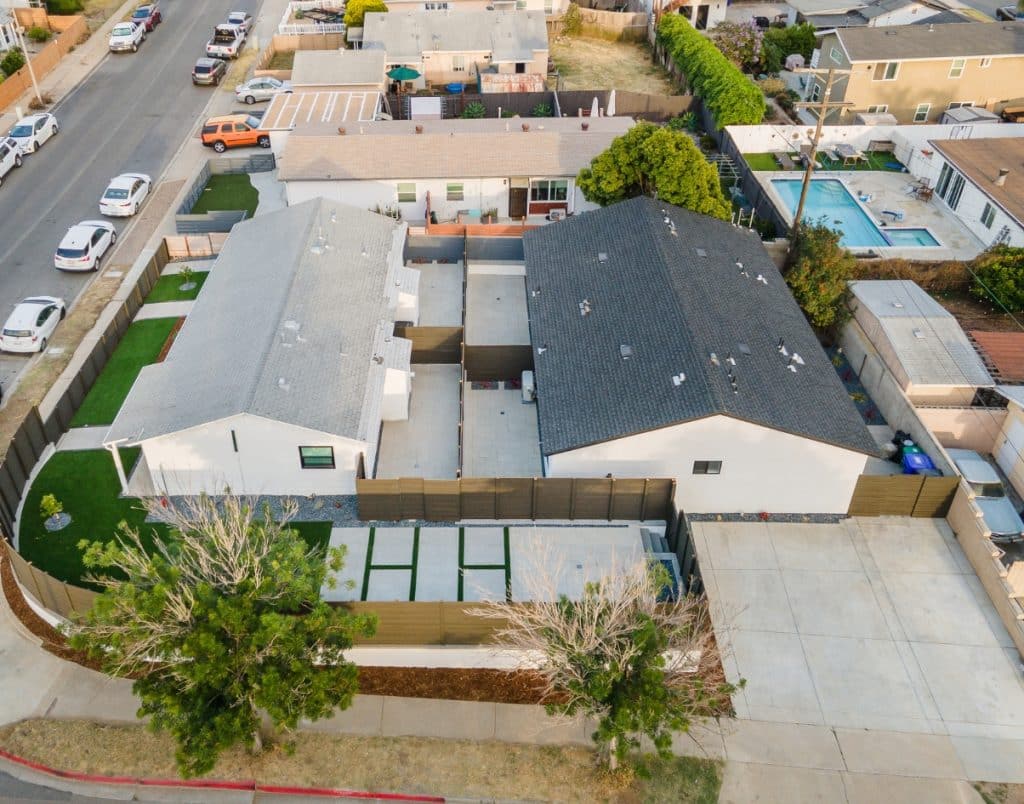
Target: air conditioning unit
529,389
556,215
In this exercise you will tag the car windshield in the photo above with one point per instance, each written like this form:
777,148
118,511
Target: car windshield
22,130
252,122
236,19
71,253
123,30
18,333
140,14
988,489
116,193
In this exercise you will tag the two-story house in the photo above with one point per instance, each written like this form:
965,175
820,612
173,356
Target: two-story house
917,72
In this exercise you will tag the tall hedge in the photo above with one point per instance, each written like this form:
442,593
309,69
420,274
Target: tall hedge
730,96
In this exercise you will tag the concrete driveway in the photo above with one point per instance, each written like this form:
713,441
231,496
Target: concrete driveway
876,624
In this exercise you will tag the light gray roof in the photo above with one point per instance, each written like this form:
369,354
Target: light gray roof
549,148
1015,393
928,342
295,309
955,40
610,335
337,67
406,35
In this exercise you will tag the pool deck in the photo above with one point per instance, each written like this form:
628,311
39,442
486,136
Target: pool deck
890,191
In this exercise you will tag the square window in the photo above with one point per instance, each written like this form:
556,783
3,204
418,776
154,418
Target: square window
921,112
879,109
816,92
459,63
988,215
549,6
707,467
835,55
316,457
455,192
886,71
957,69
407,192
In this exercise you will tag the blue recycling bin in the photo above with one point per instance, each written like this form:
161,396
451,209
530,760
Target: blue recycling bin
915,463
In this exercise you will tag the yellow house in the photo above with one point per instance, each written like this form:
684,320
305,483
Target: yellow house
917,72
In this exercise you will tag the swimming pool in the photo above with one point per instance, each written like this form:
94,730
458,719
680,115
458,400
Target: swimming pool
829,199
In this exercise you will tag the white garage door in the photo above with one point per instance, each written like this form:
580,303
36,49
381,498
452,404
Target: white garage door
1013,448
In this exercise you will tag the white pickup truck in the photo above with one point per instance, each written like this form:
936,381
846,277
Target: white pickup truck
226,43
126,36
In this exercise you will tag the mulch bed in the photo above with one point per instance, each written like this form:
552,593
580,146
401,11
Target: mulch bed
170,340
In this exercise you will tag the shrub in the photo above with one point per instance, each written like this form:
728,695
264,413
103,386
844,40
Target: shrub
50,506
772,86
708,143
818,268
684,122
38,34
541,110
13,61
999,278
64,6
740,42
795,39
730,96
474,111
935,277
508,113
572,22
771,57
356,10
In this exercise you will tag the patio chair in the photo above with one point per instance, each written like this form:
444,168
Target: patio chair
785,161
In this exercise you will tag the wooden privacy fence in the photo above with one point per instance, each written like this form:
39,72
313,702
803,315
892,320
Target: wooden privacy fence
903,495
426,623
505,362
72,29
63,599
515,498
433,344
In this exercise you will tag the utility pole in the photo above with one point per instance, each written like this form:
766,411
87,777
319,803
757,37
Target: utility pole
18,29
823,107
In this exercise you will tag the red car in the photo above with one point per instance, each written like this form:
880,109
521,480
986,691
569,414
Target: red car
148,15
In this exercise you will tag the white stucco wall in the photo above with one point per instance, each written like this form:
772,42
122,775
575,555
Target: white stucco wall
762,469
1009,446
267,462
394,406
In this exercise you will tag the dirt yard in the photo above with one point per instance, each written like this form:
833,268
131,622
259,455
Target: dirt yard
972,314
598,64
410,765
994,793
98,11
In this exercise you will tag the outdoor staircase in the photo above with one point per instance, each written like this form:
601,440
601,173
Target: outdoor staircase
725,166
653,541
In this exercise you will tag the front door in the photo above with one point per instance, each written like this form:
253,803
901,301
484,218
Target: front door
702,17
517,202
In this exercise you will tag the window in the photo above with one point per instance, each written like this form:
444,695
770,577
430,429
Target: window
549,6
921,112
960,104
816,92
459,63
956,189
455,191
958,68
945,175
520,5
986,62
835,55
879,109
406,192
549,190
886,71
988,215
520,67
316,457
707,467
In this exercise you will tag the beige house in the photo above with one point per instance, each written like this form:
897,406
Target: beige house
1009,447
553,8
917,72
452,46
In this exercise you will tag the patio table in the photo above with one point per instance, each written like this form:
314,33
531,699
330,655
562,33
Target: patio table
849,154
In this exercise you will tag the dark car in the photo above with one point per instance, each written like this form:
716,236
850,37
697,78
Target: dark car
209,71
148,15
1009,13
763,23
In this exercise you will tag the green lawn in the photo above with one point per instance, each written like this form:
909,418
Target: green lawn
872,161
316,534
166,288
761,161
227,191
86,483
139,347
681,780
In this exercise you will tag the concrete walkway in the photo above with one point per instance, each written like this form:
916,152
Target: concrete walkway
271,192
174,309
78,438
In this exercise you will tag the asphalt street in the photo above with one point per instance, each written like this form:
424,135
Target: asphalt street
131,114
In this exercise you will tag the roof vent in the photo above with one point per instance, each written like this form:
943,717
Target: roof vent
526,126
761,279
341,130
625,351
782,348
898,305
419,129
919,334
378,359
585,125
678,379
701,253
283,384
1000,180
714,359
602,256
585,307
743,348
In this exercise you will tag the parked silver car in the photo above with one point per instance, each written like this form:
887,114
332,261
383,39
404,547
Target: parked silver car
997,510
261,89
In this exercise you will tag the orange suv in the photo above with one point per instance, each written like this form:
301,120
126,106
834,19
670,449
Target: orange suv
233,131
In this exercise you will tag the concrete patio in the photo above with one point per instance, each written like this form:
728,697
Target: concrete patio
427,444
500,436
496,310
440,294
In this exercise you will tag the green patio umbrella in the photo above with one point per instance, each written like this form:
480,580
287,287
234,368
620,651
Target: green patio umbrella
403,74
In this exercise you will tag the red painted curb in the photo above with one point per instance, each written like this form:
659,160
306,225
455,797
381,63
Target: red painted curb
214,784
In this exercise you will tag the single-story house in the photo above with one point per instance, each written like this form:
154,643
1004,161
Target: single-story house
872,14
1009,447
982,182
919,341
550,7
513,167
666,344
350,70
330,108
287,364
455,46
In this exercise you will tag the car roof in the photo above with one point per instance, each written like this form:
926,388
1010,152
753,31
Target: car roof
206,61
24,315
123,182
973,467
78,235
32,118
227,118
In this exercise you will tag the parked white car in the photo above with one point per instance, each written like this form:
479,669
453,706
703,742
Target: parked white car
125,194
10,156
31,324
261,89
241,19
126,36
84,246
32,131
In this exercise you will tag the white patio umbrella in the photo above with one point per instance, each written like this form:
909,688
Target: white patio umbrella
594,107
610,111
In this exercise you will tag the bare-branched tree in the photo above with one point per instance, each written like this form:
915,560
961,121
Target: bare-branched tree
221,624
618,651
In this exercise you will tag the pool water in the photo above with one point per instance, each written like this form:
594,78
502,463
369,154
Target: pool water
829,199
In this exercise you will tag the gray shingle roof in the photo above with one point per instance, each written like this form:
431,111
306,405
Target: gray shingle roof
672,307
952,41
406,35
280,331
338,67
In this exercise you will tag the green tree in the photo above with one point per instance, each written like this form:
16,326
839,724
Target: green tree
651,160
999,278
572,21
221,626
786,41
817,273
12,62
638,664
740,42
356,10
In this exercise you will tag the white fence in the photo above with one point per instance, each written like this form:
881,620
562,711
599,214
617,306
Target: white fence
290,28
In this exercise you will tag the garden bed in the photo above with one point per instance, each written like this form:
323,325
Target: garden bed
227,191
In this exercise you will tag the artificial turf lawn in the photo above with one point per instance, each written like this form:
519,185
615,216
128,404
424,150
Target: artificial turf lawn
167,287
873,160
139,347
761,162
227,191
